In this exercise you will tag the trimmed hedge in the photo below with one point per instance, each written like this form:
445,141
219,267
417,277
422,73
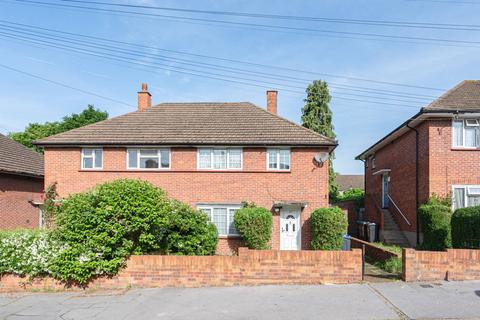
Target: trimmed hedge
355,194
466,228
328,226
255,226
435,224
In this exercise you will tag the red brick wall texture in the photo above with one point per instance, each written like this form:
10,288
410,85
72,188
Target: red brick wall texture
250,267
305,182
440,167
16,210
453,264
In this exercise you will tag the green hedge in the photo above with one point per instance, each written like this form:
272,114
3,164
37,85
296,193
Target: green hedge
466,228
255,226
355,194
435,224
328,226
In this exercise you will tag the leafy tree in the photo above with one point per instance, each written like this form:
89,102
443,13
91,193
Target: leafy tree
317,116
35,131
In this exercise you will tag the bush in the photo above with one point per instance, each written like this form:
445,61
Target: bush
105,225
392,265
328,226
255,226
188,232
356,195
28,252
435,223
466,228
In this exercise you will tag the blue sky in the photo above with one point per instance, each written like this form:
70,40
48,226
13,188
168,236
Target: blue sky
358,124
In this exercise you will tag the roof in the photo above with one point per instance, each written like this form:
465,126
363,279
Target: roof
463,98
15,158
349,181
240,123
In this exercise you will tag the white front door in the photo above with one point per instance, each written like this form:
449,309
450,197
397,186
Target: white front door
289,229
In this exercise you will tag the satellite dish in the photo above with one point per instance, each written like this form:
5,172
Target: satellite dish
321,157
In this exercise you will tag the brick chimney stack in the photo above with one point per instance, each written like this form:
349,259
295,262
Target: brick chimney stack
272,101
144,98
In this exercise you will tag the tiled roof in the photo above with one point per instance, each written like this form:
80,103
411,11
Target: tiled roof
349,181
18,159
464,96
193,124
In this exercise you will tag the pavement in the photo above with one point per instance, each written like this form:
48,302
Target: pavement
391,300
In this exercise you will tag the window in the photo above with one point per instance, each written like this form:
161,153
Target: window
92,158
278,159
466,133
149,159
220,158
373,163
466,196
222,217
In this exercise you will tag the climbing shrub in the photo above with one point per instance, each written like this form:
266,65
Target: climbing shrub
328,226
435,223
255,226
466,228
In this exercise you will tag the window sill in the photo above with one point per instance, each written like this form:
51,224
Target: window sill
92,170
464,149
233,236
278,170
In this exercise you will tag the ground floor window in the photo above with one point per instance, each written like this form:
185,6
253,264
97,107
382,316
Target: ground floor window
466,196
222,217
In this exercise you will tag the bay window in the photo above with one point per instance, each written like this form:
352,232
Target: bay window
466,133
148,158
278,159
222,218
92,158
220,158
466,196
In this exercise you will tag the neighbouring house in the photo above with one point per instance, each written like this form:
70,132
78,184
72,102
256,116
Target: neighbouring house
349,181
437,151
21,185
212,156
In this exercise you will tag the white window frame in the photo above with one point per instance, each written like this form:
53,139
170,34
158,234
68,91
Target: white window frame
227,150
228,207
466,193
278,159
465,124
138,149
93,168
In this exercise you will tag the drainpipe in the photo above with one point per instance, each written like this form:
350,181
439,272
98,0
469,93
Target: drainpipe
417,204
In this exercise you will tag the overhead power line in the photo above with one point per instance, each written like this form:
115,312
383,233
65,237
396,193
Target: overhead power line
389,23
64,85
246,63
266,27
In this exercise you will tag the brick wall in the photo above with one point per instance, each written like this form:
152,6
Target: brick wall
352,212
16,192
305,182
371,251
453,264
250,267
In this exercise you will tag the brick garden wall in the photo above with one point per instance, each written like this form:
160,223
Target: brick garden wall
16,194
250,267
453,264
371,251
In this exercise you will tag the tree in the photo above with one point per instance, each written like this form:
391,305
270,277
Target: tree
35,131
317,116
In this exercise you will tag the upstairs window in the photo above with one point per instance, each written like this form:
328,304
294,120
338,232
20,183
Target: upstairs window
149,159
222,218
278,159
92,158
466,133
220,158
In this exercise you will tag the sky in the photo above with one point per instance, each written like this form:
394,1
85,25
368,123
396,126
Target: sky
300,52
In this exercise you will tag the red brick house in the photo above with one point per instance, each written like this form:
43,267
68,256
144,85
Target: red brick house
21,185
212,156
435,151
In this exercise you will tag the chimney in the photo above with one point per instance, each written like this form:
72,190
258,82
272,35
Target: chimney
144,98
272,101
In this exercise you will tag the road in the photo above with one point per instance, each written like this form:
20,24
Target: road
393,300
